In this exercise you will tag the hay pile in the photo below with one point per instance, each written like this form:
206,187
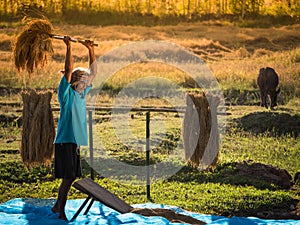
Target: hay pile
197,128
33,45
38,128
170,215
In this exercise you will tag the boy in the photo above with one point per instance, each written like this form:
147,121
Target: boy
72,125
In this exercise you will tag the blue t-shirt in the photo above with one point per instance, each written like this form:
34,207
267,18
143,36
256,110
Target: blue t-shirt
72,125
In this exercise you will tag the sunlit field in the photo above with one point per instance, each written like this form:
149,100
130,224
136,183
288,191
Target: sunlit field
234,57
254,135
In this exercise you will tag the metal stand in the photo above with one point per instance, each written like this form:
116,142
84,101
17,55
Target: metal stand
90,112
148,154
90,118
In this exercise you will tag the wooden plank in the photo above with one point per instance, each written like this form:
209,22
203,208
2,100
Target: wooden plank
98,193
91,188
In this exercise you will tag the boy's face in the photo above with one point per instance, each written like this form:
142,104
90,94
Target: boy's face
81,84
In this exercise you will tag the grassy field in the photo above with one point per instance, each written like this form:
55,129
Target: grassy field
254,136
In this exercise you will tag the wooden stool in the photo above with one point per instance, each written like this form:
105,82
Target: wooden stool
98,193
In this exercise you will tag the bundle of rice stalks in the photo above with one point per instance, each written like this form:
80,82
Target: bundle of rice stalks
33,45
197,129
38,128
169,214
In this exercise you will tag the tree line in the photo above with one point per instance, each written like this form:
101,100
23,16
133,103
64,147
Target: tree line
160,8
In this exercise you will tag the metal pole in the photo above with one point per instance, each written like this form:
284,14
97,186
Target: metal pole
91,143
148,153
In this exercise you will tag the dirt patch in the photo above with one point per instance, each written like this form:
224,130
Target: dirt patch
269,174
253,173
287,42
277,123
278,44
260,42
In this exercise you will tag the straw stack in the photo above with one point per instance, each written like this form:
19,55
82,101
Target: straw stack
38,128
197,128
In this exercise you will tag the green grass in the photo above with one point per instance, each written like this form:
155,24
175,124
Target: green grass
216,198
282,152
222,192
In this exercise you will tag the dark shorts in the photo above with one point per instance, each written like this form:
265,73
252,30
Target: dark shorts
67,161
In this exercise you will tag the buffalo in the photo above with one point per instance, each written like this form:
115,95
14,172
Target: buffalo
267,82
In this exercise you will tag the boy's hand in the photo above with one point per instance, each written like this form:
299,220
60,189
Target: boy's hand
88,43
67,40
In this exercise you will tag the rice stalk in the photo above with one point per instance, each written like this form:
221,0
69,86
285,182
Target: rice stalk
33,45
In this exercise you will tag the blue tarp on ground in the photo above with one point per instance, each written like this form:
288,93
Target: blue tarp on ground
21,211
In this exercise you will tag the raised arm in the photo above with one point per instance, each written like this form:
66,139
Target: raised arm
68,59
92,60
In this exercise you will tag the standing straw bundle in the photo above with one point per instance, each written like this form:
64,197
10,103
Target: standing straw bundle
196,137
33,45
38,128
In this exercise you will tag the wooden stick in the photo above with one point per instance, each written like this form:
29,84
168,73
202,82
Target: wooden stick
56,36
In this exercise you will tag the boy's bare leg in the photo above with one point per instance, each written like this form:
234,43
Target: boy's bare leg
60,204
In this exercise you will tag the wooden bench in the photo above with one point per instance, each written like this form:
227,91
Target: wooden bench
98,193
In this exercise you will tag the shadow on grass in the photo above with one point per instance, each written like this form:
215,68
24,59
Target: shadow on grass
276,123
246,174
258,175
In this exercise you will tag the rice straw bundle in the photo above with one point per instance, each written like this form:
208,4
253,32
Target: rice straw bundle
38,128
33,45
196,137
169,214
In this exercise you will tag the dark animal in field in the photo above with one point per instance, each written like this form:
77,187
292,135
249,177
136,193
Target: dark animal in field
267,82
